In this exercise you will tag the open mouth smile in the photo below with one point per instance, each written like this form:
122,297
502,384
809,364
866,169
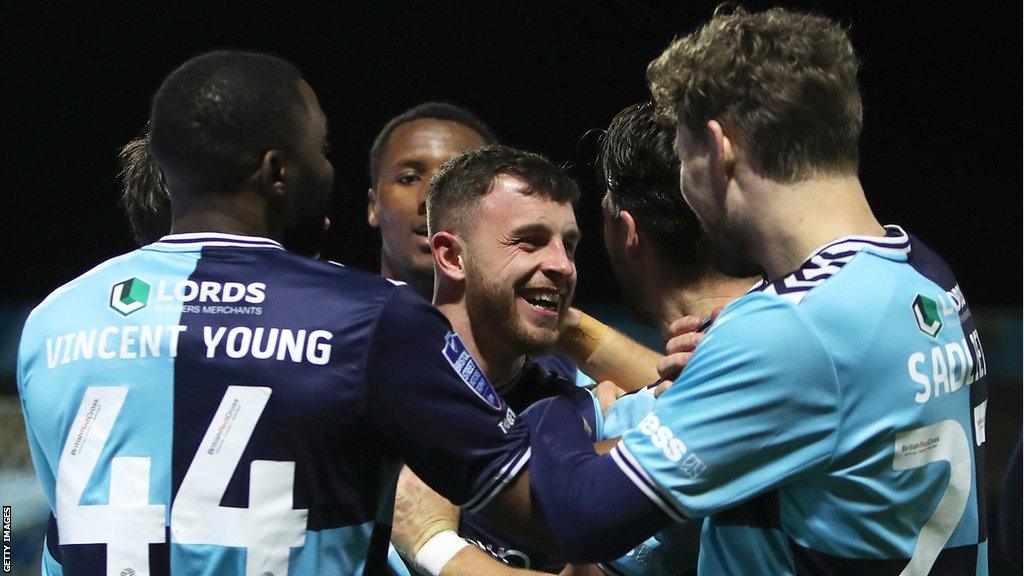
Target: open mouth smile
546,300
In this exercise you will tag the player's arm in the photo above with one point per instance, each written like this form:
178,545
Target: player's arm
48,565
755,415
605,354
472,561
425,533
427,405
592,510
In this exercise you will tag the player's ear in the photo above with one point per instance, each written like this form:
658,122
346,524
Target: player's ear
371,207
631,236
272,174
720,149
448,255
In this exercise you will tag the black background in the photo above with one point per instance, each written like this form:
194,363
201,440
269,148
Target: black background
941,149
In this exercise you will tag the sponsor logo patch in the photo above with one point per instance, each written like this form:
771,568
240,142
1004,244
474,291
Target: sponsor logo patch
465,366
926,312
129,296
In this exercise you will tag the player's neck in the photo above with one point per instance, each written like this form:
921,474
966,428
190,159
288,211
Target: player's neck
793,220
697,297
498,361
423,286
227,214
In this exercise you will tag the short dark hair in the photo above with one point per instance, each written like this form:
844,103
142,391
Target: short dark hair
465,179
428,111
785,82
639,172
144,193
215,114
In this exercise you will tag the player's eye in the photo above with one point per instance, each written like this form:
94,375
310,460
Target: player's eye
570,249
407,179
327,147
529,243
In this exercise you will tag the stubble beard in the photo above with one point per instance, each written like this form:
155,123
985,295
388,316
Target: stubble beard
488,303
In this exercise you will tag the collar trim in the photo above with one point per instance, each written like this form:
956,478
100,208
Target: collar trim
195,240
827,260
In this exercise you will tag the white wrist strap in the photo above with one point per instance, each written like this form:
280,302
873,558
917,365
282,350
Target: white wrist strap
438,551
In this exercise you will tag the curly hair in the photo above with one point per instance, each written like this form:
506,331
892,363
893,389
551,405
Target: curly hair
784,83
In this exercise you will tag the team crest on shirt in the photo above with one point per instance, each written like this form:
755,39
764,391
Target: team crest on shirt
465,366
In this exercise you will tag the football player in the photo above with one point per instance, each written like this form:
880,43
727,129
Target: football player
832,421
194,406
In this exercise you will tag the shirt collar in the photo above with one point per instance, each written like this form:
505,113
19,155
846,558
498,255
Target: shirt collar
198,240
832,255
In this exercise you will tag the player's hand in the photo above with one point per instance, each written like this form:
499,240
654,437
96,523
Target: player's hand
662,387
570,321
419,514
607,393
679,348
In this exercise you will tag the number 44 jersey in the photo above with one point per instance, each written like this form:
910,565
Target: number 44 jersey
212,404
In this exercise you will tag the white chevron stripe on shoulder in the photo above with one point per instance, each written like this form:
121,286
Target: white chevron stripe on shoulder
829,259
828,270
636,474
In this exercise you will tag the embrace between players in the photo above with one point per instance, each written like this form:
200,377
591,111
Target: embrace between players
814,429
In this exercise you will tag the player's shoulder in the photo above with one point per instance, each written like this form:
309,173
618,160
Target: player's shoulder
67,292
762,321
851,288
337,278
864,278
930,264
295,280
352,296
559,364
840,268
546,377
761,331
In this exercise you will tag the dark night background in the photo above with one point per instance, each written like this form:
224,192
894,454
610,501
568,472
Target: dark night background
940,154
941,149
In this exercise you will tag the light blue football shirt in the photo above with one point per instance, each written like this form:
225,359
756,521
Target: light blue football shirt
831,422
669,553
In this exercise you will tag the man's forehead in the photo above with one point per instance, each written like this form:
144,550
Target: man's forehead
516,202
429,136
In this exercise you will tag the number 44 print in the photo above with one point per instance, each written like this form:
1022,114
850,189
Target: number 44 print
128,523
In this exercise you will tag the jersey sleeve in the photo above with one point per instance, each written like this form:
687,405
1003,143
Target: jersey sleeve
431,404
44,471
627,412
758,404
592,509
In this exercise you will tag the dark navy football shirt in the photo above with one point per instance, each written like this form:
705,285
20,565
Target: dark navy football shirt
533,383
212,404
